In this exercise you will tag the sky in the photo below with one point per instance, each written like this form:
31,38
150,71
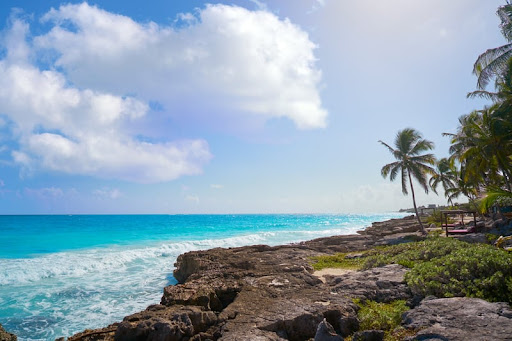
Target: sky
180,107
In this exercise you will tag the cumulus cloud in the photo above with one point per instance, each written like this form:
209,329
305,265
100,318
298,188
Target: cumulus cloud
80,98
228,60
81,131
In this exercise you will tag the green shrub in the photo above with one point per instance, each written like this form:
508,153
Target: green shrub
383,316
409,254
491,238
446,267
434,218
338,260
443,267
474,271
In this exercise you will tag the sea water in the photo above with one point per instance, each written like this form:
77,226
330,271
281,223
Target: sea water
62,274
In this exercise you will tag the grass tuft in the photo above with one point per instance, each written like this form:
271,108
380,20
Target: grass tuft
338,260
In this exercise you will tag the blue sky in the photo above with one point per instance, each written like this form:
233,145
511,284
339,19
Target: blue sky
227,107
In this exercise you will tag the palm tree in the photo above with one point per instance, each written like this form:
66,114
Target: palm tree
492,62
464,186
444,175
483,146
409,145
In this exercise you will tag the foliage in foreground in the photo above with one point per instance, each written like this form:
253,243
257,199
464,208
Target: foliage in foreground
381,316
443,267
410,254
474,271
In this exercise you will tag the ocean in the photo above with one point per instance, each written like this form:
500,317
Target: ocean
62,274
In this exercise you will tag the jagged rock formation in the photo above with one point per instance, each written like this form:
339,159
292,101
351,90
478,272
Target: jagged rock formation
5,336
460,318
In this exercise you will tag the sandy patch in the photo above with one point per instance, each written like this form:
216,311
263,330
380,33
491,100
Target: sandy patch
330,272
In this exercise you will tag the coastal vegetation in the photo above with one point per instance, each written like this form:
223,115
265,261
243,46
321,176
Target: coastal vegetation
382,316
339,260
442,267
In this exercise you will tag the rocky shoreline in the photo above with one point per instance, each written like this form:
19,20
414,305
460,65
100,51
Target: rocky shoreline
271,293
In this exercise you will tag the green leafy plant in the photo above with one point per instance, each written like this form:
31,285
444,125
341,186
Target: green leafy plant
409,254
339,260
446,267
474,271
383,316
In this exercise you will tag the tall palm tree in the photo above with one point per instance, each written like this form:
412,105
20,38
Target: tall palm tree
409,146
444,175
492,62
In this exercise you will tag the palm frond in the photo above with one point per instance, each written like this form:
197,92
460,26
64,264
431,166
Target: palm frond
491,63
492,196
493,96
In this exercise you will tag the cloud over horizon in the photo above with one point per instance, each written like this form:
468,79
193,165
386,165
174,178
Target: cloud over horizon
75,97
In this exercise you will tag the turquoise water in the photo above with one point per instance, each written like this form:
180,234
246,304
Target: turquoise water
63,274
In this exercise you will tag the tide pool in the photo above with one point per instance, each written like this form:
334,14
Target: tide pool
62,274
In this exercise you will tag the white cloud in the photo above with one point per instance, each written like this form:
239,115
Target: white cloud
65,129
216,186
87,112
107,193
229,60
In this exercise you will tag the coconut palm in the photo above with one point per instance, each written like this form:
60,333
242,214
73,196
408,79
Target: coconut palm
465,186
444,175
409,146
483,146
492,62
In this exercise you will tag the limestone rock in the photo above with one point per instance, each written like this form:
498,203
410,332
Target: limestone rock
5,336
325,332
165,323
383,284
368,335
459,319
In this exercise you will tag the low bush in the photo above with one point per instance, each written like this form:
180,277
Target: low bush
474,271
382,316
443,267
409,254
339,260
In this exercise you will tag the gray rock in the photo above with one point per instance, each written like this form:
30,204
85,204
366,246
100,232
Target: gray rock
368,335
164,323
383,284
325,332
460,318
5,336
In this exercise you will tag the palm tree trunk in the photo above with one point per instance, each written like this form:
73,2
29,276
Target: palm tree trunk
414,203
